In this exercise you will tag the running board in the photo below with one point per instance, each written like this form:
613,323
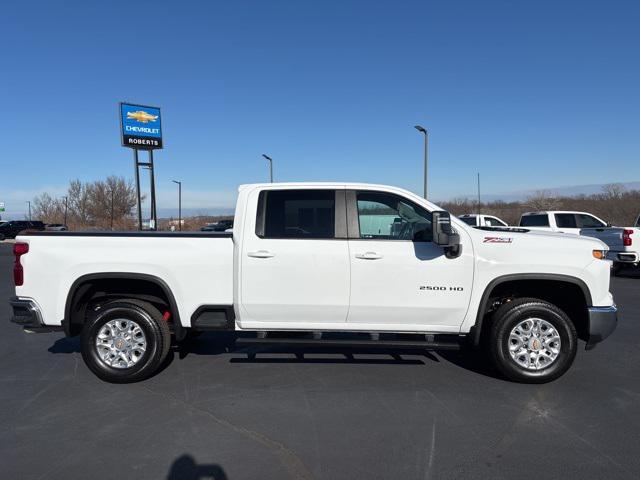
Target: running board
439,342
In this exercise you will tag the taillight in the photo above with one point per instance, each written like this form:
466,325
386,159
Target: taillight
19,249
627,241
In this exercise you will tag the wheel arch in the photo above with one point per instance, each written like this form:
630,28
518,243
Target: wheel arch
83,288
525,283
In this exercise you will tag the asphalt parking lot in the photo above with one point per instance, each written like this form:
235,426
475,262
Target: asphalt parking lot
320,415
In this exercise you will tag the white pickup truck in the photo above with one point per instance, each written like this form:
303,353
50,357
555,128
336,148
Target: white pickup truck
375,261
620,240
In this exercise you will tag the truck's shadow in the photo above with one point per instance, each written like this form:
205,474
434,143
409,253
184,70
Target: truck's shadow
214,344
186,468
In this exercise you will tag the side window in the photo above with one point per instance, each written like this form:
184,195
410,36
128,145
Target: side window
299,214
566,220
588,221
389,217
494,222
534,221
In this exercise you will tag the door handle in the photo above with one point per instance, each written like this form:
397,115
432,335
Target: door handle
260,254
369,256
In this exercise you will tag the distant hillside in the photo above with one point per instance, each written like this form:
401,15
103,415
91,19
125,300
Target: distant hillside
564,191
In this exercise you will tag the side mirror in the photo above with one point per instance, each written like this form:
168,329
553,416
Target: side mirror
443,234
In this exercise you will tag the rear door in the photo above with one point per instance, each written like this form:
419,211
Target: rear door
294,260
399,282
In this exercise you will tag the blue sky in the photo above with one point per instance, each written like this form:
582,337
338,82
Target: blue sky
530,94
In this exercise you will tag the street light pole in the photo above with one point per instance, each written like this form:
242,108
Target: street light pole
179,204
270,167
426,155
29,202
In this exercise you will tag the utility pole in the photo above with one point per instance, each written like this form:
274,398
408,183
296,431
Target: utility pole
29,202
479,204
66,206
112,208
426,155
179,204
270,167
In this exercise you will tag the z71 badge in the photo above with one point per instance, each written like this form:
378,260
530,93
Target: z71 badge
498,240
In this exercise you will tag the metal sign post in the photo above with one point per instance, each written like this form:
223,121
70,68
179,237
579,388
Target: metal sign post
141,129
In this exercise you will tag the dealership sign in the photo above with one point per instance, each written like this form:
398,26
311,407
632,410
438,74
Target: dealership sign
1,206
141,126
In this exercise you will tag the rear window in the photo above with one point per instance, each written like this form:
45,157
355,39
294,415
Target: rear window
588,221
534,221
566,220
469,221
299,214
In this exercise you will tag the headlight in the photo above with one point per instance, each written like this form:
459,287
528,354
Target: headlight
600,254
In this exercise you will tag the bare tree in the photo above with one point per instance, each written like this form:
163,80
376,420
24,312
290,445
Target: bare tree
613,190
47,209
542,200
78,201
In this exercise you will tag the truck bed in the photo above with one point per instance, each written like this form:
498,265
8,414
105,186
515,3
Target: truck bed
196,266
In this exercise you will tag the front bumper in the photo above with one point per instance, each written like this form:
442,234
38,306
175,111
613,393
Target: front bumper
602,321
27,314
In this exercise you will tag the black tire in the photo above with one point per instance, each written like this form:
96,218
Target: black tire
617,268
508,316
156,333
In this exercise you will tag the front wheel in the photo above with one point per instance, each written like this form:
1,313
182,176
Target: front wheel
532,341
125,341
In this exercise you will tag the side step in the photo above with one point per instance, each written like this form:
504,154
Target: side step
431,342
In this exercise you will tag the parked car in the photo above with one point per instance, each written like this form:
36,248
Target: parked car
479,220
13,227
56,227
221,226
620,240
315,258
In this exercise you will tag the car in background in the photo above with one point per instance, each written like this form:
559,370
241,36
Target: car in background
220,226
13,227
622,252
561,221
56,227
479,220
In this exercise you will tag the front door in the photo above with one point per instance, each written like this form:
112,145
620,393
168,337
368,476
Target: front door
295,261
397,281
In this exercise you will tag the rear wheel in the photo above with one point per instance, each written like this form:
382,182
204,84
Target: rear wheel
532,341
125,341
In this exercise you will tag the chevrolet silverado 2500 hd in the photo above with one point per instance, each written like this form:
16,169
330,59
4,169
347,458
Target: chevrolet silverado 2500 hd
330,257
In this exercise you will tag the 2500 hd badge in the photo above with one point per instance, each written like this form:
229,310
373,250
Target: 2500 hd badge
441,289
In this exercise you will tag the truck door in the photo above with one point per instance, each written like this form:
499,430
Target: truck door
295,260
397,281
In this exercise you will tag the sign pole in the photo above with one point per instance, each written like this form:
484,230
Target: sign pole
135,164
154,216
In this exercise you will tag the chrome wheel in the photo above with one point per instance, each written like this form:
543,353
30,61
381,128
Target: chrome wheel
534,344
121,343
